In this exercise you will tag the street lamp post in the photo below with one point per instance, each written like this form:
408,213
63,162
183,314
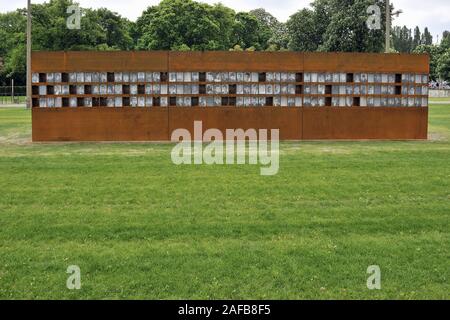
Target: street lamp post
389,18
28,53
388,27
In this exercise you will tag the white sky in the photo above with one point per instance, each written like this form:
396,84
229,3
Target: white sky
434,14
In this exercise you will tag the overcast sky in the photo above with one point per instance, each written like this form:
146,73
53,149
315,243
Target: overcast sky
434,14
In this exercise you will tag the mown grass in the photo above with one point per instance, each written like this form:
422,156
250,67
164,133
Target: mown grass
440,100
140,227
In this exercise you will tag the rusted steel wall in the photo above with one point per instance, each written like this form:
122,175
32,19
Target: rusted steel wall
356,123
236,61
100,124
288,120
92,61
157,124
60,61
366,62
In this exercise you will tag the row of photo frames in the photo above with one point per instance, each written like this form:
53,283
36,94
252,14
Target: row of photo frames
217,89
142,77
217,101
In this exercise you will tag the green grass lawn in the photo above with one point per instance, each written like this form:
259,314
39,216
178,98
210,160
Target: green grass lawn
140,227
440,100
5,100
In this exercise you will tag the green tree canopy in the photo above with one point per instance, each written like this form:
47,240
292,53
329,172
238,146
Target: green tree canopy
435,53
443,65
174,23
335,25
327,25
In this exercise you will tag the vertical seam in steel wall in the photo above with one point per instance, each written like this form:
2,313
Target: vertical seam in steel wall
302,113
168,97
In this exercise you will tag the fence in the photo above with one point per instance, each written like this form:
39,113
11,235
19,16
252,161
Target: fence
8,95
434,93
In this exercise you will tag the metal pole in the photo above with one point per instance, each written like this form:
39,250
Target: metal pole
388,27
12,90
29,54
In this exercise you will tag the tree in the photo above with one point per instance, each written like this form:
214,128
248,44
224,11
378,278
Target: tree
402,39
246,31
417,39
12,47
174,23
445,43
443,65
303,31
335,25
348,30
99,29
328,25
427,38
435,53
273,34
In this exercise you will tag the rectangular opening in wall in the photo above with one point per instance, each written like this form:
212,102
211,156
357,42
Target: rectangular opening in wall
35,90
398,78
262,77
156,101
163,76
72,89
103,102
64,77
232,101
398,90
141,89
232,89
126,89
299,77
202,77
35,102
126,101
42,77
87,89
110,76
328,101
202,89
50,90
96,102
224,101
80,102
349,77
269,101
298,89
65,102
356,101
328,89
194,101
172,101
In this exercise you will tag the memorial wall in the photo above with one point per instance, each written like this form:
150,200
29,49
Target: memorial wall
144,96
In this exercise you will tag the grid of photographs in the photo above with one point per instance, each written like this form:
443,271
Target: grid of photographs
217,89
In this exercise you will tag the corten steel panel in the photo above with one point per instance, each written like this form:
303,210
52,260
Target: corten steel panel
92,61
366,62
236,61
226,61
362,123
287,120
100,124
